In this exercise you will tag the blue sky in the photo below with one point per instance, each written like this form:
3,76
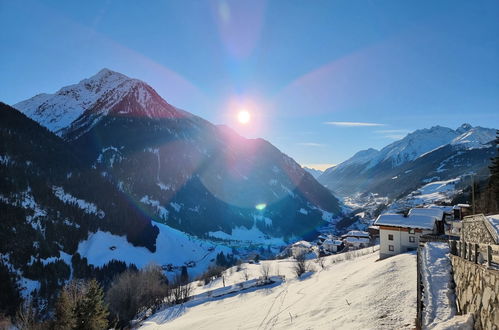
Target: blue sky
389,66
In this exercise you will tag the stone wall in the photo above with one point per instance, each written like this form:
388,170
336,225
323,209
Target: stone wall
475,230
477,291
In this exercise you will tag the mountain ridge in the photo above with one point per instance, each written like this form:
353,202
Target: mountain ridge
75,108
162,156
366,171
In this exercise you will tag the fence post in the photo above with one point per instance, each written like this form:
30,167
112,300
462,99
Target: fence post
453,247
476,253
489,256
419,301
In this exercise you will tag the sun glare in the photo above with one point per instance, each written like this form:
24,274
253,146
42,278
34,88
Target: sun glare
243,117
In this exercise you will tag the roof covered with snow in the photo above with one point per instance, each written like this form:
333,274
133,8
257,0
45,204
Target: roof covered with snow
462,206
354,240
304,244
411,221
356,233
433,212
332,242
444,208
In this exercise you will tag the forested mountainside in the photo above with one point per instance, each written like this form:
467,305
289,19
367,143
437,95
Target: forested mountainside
49,202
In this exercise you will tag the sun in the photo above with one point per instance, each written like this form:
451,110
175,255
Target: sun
243,117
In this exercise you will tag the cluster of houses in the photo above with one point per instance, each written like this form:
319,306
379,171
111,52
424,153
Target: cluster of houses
354,239
327,244
395,232
401,232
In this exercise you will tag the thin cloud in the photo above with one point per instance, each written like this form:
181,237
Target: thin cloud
392,131
352,124
310,144
395,136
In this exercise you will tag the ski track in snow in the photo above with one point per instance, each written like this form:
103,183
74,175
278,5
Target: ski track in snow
361,293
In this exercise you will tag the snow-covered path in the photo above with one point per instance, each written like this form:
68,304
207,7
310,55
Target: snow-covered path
361,293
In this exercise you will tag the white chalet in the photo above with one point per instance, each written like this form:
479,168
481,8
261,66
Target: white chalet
356,239
399,233
332,245
356,234
357,242
300,247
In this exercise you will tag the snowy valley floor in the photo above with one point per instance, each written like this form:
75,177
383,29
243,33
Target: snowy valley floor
361,293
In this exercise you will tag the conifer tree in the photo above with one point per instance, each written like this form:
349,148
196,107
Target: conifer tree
91,311
65,318
9,289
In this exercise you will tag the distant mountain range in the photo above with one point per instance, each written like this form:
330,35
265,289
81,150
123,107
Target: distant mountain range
315,172
424,156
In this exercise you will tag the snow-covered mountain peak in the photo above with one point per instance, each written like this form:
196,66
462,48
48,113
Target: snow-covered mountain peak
474,137
363,156
83,104
360,158
414,145
102,82
464,128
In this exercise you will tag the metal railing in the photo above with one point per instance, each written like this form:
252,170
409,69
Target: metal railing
476,252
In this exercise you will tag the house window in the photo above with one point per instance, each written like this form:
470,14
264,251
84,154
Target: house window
412,239
390,237
411,231
390,247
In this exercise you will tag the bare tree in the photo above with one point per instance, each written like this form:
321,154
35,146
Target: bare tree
301,265
265,270
179,293
132,292
245,274
321,261
238,265
211,273
27,316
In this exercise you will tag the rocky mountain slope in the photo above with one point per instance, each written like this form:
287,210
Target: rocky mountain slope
178,168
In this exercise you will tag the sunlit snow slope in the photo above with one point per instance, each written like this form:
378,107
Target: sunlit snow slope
361,293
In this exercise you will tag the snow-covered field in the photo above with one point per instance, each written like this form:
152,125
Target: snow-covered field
428,194
172,247
360,293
